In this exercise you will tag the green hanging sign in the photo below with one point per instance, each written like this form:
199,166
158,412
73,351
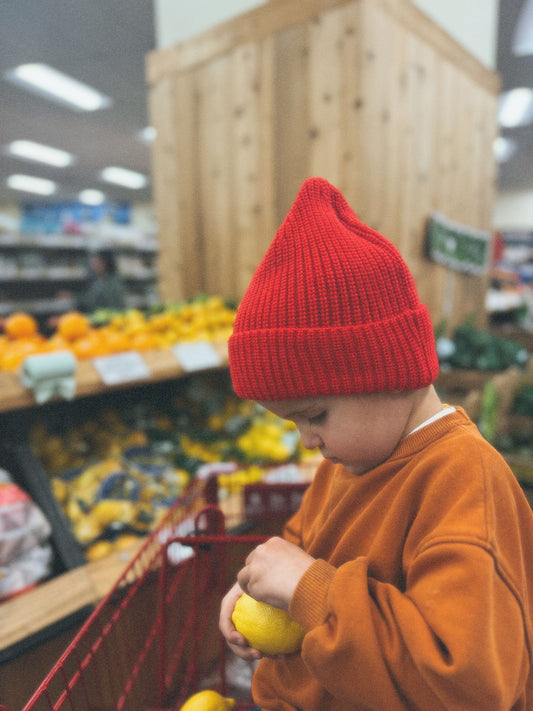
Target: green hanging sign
457,246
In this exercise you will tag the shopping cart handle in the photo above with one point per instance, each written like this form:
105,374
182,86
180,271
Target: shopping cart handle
210,521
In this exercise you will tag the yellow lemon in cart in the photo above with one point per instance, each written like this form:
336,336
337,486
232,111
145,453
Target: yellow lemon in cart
266,628
208,701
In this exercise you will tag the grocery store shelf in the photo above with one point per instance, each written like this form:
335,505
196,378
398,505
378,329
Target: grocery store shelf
37,306
459,379
59,261
161,363
30,619
29,613
32,612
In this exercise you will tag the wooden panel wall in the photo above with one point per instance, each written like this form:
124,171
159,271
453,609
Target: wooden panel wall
369,94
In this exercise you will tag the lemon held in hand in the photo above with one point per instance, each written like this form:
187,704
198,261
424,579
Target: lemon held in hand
266,628
208,701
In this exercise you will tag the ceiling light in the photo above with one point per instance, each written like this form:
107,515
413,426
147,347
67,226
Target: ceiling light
91,197
40,153
516,107
58,86
30,184
523,33
147,135
503,148
126,178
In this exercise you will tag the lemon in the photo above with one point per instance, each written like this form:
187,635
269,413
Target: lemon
266,628
208,701
98,550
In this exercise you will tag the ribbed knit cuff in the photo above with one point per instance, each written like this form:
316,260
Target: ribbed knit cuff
308,604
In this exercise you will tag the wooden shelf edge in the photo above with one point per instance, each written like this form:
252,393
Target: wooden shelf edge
33,611
87,585
162,364
54,600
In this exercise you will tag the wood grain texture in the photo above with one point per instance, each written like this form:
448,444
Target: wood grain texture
369,94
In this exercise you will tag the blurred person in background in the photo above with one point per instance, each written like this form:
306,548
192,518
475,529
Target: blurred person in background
106,289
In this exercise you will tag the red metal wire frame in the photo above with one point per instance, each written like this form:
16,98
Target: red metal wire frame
210,519
117,653
208,567
69,684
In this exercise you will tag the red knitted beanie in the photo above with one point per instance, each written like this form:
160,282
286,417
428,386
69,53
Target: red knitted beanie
332,309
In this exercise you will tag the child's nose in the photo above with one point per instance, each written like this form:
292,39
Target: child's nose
310,439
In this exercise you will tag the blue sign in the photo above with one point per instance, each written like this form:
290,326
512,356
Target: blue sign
68,217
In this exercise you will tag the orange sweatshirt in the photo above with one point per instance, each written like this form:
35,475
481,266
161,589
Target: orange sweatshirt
421,596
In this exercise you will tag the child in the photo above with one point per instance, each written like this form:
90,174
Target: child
410,560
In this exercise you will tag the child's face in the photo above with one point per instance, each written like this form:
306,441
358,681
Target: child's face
358,431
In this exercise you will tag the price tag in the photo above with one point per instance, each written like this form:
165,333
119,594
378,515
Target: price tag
197,356
121,368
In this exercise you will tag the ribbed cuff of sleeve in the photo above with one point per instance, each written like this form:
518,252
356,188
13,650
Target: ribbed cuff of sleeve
308,604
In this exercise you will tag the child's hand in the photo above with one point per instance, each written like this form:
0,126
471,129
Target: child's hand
235,640
272,571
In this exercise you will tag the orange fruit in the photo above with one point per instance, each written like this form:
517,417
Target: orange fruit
73,325
56,343
89,346
20,325
115,341
13,354
142,341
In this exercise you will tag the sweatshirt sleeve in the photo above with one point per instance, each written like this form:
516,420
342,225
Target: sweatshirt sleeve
455,639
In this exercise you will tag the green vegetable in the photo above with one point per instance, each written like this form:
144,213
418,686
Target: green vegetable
479,349
488,417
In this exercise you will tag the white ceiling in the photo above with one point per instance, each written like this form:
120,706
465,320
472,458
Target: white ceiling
100,42
517,173
104,44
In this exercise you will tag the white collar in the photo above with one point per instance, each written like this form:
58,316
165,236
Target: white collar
446,410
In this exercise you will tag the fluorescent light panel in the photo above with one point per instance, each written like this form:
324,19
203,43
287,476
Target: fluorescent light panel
31,184
516,107
40,153
503,148
147,135
91,197
523,32
58,86
125,178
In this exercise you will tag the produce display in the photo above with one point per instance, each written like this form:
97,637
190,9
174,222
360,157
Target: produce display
512,409
523,401
204,318
471,347
502,407
116,473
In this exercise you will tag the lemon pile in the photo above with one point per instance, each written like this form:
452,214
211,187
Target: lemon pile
266,628
208,701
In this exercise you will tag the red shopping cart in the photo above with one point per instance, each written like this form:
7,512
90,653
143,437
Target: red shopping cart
154,641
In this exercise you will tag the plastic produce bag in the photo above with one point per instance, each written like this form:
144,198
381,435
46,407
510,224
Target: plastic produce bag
25,555
22,523
25,571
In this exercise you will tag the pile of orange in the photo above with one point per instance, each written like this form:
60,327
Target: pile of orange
208,319
20,339
74,332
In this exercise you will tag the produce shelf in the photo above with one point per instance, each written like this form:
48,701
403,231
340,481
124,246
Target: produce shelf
26,619
162,364
67,598
463,380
